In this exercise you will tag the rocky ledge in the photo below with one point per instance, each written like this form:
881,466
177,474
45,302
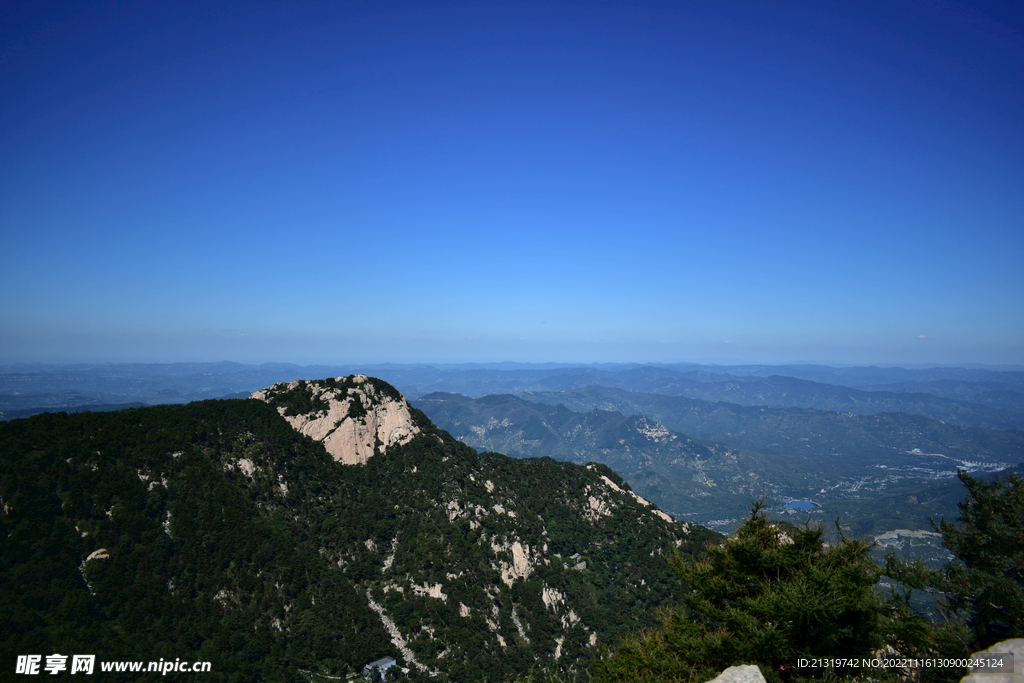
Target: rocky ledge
353,416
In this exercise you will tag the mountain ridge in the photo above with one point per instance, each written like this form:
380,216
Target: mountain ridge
218,531
969,397
683,476
877,472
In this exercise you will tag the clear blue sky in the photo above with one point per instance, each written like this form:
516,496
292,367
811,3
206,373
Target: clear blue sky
390,181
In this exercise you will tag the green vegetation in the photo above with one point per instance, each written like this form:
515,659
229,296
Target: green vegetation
219,533
214,531
236,563
683,476
982,591
776,593
296,400
768,596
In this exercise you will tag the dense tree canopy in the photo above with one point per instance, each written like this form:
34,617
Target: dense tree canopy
769,596
214,531
775,594
982,590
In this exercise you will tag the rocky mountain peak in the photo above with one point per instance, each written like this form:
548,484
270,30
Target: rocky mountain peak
354,417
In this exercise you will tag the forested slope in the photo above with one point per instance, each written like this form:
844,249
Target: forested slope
218,532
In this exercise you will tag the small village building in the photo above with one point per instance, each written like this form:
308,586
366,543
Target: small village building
376,668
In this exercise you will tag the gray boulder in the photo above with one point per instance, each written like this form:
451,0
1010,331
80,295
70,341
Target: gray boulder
1012,675
748,673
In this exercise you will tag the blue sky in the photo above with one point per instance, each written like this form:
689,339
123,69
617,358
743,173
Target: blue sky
389,181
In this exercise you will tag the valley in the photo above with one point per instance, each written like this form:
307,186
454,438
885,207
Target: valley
875,472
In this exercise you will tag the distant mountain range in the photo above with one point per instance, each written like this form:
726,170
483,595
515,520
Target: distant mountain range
966,397
706,461
691,480
801,428
789,392
822,435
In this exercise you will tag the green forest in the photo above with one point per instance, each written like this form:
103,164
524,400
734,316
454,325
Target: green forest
216,532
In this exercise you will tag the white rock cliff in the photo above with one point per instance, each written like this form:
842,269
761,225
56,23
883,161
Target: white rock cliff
350,439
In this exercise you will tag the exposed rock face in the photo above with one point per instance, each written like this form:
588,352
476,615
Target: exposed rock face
599,507
396,636
521,566
740,674
430,591
351,416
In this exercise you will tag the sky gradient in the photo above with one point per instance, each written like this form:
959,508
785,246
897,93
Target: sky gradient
578,182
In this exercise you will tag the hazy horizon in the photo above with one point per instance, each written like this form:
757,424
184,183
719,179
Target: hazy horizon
516,365
250,349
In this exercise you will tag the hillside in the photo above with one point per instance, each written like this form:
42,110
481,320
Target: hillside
876,472
691,480
219,531
833,437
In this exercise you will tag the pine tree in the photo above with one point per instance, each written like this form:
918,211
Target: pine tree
982,590
768,596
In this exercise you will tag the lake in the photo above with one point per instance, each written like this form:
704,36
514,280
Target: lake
801,505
